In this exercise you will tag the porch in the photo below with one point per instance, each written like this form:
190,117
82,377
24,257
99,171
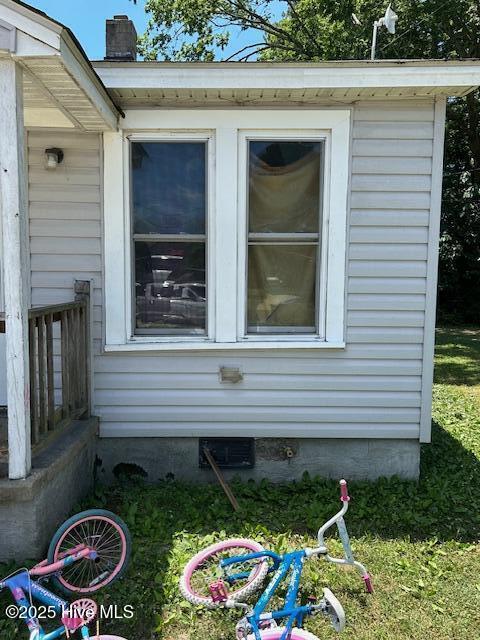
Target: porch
59,372
46,84
62,433
47,433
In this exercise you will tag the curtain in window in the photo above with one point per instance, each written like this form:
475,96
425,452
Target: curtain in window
285,198
284,212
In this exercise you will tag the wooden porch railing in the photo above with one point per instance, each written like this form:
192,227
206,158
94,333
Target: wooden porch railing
59,388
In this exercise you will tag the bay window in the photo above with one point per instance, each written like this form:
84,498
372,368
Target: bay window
229,231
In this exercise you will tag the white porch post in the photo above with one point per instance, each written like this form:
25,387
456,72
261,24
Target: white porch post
15,264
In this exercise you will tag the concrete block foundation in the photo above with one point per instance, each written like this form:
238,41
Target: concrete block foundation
32,509
277,459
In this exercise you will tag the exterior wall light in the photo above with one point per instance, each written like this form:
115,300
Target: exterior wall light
54,157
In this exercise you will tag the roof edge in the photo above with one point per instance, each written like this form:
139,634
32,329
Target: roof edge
73,44
413,62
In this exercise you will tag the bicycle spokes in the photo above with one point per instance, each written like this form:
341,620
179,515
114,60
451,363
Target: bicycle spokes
104,540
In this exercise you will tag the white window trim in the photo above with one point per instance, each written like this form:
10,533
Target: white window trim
226,225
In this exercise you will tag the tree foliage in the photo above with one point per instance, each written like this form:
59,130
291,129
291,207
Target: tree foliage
459,269
315,30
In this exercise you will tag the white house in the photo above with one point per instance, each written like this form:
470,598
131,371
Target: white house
261,244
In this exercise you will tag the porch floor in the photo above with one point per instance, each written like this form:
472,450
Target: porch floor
48,443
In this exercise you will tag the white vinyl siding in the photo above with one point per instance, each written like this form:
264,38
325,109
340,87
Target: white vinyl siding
372,388
65,220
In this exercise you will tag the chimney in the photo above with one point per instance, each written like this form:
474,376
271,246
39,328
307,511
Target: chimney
121,39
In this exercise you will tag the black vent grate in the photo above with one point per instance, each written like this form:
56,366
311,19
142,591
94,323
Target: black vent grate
228,453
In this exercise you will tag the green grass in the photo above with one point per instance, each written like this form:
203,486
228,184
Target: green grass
457,357
420,540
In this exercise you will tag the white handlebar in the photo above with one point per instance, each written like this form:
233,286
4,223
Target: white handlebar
330,523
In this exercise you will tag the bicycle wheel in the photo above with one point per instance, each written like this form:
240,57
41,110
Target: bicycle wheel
100,530
334,610
276,634
203,569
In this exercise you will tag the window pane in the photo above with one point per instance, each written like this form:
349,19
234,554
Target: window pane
281,288
168,187
170,287
284,186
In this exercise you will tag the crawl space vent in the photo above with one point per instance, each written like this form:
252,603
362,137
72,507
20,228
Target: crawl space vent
229,453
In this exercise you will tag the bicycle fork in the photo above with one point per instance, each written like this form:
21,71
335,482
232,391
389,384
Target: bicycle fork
348,559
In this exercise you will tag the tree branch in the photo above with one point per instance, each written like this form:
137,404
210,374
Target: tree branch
262,47
309,33
254,19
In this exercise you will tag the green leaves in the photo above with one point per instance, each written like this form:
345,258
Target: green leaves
309,29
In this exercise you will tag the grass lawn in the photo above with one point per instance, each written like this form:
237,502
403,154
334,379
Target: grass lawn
420,541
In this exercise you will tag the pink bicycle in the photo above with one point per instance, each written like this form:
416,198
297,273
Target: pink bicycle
226,573
88,552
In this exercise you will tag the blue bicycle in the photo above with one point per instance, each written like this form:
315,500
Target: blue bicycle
226,573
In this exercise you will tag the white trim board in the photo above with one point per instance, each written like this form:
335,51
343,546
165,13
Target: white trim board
287,76
225,128
203,119
31,22
432,270
396,431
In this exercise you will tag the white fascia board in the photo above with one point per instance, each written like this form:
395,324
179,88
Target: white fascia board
252,76
28,47
31,23
88,82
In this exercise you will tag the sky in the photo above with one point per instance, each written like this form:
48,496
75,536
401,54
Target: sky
87,21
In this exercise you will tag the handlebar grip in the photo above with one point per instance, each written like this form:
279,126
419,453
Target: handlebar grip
368,583
344,497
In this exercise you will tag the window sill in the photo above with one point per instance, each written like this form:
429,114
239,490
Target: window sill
206,345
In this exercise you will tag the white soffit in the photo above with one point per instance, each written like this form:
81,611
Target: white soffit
37,117
60,86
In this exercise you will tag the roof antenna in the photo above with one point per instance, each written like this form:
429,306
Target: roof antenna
388,21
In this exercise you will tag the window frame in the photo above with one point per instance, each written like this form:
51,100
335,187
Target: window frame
226,222
170,136
245,136
157,237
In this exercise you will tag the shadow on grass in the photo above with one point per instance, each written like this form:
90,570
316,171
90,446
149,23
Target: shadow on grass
457,356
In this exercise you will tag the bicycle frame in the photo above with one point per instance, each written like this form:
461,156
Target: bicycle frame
293,563
282,565
21,584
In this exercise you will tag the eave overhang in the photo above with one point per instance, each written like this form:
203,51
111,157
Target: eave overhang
142,84
61,87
